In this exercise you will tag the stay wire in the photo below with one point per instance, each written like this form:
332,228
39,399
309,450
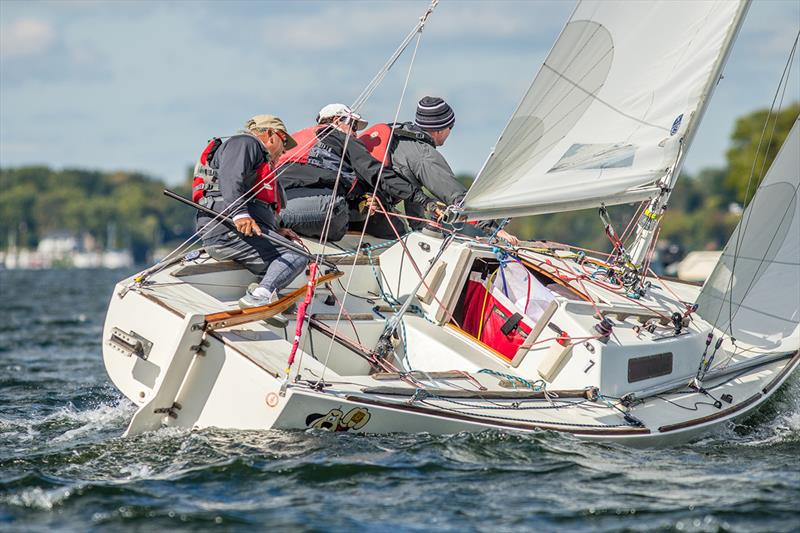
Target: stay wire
781,89
419,30
248,195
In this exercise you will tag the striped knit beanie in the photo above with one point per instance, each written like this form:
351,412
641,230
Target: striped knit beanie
434,114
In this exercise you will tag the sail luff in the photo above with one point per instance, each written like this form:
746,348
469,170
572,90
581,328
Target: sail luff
708,91
646,229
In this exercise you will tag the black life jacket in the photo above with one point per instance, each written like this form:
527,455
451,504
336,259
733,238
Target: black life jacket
311,150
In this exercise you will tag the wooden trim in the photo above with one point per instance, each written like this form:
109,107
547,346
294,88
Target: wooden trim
720,414
347,260
786,369
486,347
489,394
235,317
500,423
345,341
672,279
554,277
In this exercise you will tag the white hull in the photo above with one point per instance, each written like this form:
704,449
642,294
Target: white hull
231,377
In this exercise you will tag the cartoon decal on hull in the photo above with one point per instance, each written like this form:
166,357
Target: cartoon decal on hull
336,420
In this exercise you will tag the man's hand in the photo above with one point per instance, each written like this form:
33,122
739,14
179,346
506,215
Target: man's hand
288,234
247,226
369,203
513,240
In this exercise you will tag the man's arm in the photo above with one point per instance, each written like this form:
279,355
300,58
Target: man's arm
433,172
237,164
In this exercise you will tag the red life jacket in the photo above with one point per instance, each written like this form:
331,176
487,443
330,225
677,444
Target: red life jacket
376,139
204,175
205,178
306,139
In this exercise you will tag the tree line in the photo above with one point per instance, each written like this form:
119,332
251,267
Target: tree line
37,201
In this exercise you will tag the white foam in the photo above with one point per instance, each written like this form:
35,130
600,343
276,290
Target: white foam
38,498
92,420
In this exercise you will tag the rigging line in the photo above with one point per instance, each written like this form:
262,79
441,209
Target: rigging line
396,55
374,193
784,80
366,93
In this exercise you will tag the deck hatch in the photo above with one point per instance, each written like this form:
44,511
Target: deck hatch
649,366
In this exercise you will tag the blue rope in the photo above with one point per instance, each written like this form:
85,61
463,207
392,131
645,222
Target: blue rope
536,386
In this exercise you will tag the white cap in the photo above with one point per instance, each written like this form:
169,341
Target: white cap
341,110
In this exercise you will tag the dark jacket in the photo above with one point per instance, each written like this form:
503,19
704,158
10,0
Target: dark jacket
359,168
236,163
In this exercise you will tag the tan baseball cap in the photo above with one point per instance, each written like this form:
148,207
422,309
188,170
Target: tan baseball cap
270,122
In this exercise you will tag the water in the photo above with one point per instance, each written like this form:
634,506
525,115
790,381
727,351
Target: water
63,465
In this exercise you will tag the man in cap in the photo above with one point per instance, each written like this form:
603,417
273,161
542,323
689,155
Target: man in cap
327,174
417,166
247,191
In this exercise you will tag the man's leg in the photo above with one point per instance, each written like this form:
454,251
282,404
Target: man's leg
276,265
307,209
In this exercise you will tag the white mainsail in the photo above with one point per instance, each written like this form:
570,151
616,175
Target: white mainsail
604,118
753,294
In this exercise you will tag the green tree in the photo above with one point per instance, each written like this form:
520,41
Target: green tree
742,157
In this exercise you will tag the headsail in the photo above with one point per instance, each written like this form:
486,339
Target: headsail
603,119
754,292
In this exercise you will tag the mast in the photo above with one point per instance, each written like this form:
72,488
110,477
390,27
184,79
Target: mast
651,216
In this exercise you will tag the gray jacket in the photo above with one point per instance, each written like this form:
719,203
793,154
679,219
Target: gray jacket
419,164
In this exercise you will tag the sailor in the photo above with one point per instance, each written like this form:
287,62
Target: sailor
418,165
327,152
243,185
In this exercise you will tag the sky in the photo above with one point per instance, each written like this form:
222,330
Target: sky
141,86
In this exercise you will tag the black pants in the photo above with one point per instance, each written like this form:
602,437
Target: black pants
378,225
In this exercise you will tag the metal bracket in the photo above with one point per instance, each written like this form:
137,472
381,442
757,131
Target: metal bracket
130,343
169,411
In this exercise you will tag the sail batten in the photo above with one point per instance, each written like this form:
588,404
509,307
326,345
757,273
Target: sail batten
609,108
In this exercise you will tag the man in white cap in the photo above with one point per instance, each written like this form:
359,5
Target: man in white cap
329,165
243,184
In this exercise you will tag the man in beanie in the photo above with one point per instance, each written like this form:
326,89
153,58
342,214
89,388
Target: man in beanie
244,186
419,165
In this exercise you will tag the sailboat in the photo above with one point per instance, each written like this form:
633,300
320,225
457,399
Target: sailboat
442,333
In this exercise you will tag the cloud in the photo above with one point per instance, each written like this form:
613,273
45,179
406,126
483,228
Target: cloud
33,51
26,37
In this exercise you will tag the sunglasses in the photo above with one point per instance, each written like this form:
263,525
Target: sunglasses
283,137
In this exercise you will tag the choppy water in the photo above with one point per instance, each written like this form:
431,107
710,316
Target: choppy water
63,465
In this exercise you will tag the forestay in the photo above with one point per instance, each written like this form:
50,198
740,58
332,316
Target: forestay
753,294
603,119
